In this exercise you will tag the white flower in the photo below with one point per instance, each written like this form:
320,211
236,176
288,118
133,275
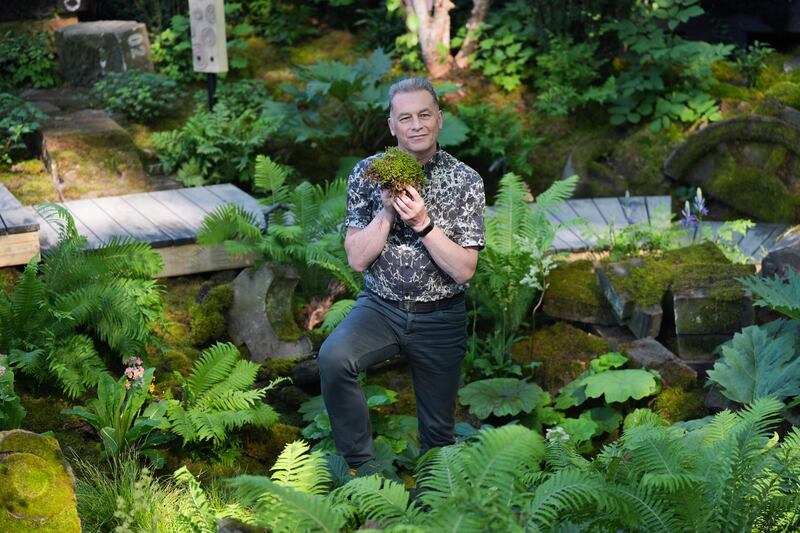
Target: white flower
556,434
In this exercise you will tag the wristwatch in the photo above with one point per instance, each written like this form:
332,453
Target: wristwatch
427,229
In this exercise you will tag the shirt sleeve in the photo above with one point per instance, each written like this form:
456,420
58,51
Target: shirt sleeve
359,195
470,228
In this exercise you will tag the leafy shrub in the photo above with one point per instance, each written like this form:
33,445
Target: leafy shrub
505,46
238,96
213,146
26,59
728,473
664,77
309,238
500,134
751,61
11,410
279,21
61,313
565,77
497,286
139,95
120,417
218,397
760,361
17,119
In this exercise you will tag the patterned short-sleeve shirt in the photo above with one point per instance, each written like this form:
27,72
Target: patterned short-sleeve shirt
454,197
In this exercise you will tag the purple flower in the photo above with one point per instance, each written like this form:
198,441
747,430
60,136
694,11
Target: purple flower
628,208
700,203
688,218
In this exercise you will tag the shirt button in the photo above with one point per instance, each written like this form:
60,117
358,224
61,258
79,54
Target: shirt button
407,266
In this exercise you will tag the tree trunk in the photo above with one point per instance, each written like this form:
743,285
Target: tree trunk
479,10
434,34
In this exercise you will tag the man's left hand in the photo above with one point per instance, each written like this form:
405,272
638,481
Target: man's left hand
411,208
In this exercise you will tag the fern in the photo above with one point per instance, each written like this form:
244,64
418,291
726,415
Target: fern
334,316
378,499
298,469
775,293
218,398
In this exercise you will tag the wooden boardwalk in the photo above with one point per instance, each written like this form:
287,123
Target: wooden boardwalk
169,221
600,214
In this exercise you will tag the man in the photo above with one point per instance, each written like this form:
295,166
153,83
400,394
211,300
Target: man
418,251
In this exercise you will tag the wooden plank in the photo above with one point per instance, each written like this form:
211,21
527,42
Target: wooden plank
7,200
769,242
19,248
596,226
755,237
93,223
637,206
135,224
571,242
161,216
48,235
611,210
179,204
194,258
230,193
202,197
560,245
762,249
659,209
20,220
571,235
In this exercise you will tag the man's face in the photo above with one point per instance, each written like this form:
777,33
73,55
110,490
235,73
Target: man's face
416,121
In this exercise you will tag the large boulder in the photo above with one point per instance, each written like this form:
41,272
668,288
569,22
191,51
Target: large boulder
36,485
750,163
261,316
87,50
784,254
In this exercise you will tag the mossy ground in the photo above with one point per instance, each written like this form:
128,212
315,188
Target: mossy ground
676,404
29,182
575,284
563,350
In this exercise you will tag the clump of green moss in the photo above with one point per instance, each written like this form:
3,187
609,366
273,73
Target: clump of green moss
275,368
649,278
575,283
395,170
563,350
786,92
676,404
207,319
266,449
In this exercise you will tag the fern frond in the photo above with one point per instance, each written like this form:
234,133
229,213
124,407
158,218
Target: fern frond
651,513
379,499
229,222
334,316
298,469
564,494
214,365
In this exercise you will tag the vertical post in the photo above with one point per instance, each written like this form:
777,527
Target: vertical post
212,89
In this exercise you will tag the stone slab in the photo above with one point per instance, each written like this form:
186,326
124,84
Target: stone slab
699,312
650,354
87,50
645,321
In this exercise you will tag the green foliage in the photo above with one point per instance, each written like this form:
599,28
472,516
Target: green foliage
500,397
497,286
665,78
214,146
62,312
207,319
280,22
201,516
218,397
490,357
11,410
309,237
335,314
238,96
777,294
565,77
340,107
760,362
140,96
395,170
26,59
751,61
17,119
499,134
505,45
121,418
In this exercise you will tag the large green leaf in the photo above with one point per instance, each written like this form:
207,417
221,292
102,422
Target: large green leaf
454,130
620,385
781,296
759,362
500,396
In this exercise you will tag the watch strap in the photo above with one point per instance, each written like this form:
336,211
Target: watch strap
427,229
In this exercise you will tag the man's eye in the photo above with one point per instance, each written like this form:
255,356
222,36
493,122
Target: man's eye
425,116
403,119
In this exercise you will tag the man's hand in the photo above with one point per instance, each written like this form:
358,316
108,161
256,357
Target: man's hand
411,208
388,205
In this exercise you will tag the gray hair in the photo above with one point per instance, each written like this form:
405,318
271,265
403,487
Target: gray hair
410,85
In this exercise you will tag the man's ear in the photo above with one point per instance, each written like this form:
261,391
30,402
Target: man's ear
441,119
391,126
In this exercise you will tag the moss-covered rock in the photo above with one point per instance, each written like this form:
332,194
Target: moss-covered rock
676,404
266,448
573,294
36,485
786,92
207,318
29,182
563,350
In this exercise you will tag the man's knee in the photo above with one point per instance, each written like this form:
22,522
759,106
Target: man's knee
335,359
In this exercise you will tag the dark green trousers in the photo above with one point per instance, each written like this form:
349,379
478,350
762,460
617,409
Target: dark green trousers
433,343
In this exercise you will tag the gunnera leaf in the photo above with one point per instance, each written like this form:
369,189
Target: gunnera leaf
619,385
396,169
500,397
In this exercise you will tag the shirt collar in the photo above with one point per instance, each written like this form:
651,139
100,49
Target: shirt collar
434,160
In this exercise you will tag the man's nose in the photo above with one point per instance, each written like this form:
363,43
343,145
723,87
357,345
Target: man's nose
416,123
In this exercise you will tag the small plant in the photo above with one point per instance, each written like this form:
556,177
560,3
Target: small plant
751,61
395,170
11,410
120,416
26,59
140,96
501,397
201,516
17,119
238,96
218,398
214,146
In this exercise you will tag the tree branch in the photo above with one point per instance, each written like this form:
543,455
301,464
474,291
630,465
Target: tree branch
479,10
